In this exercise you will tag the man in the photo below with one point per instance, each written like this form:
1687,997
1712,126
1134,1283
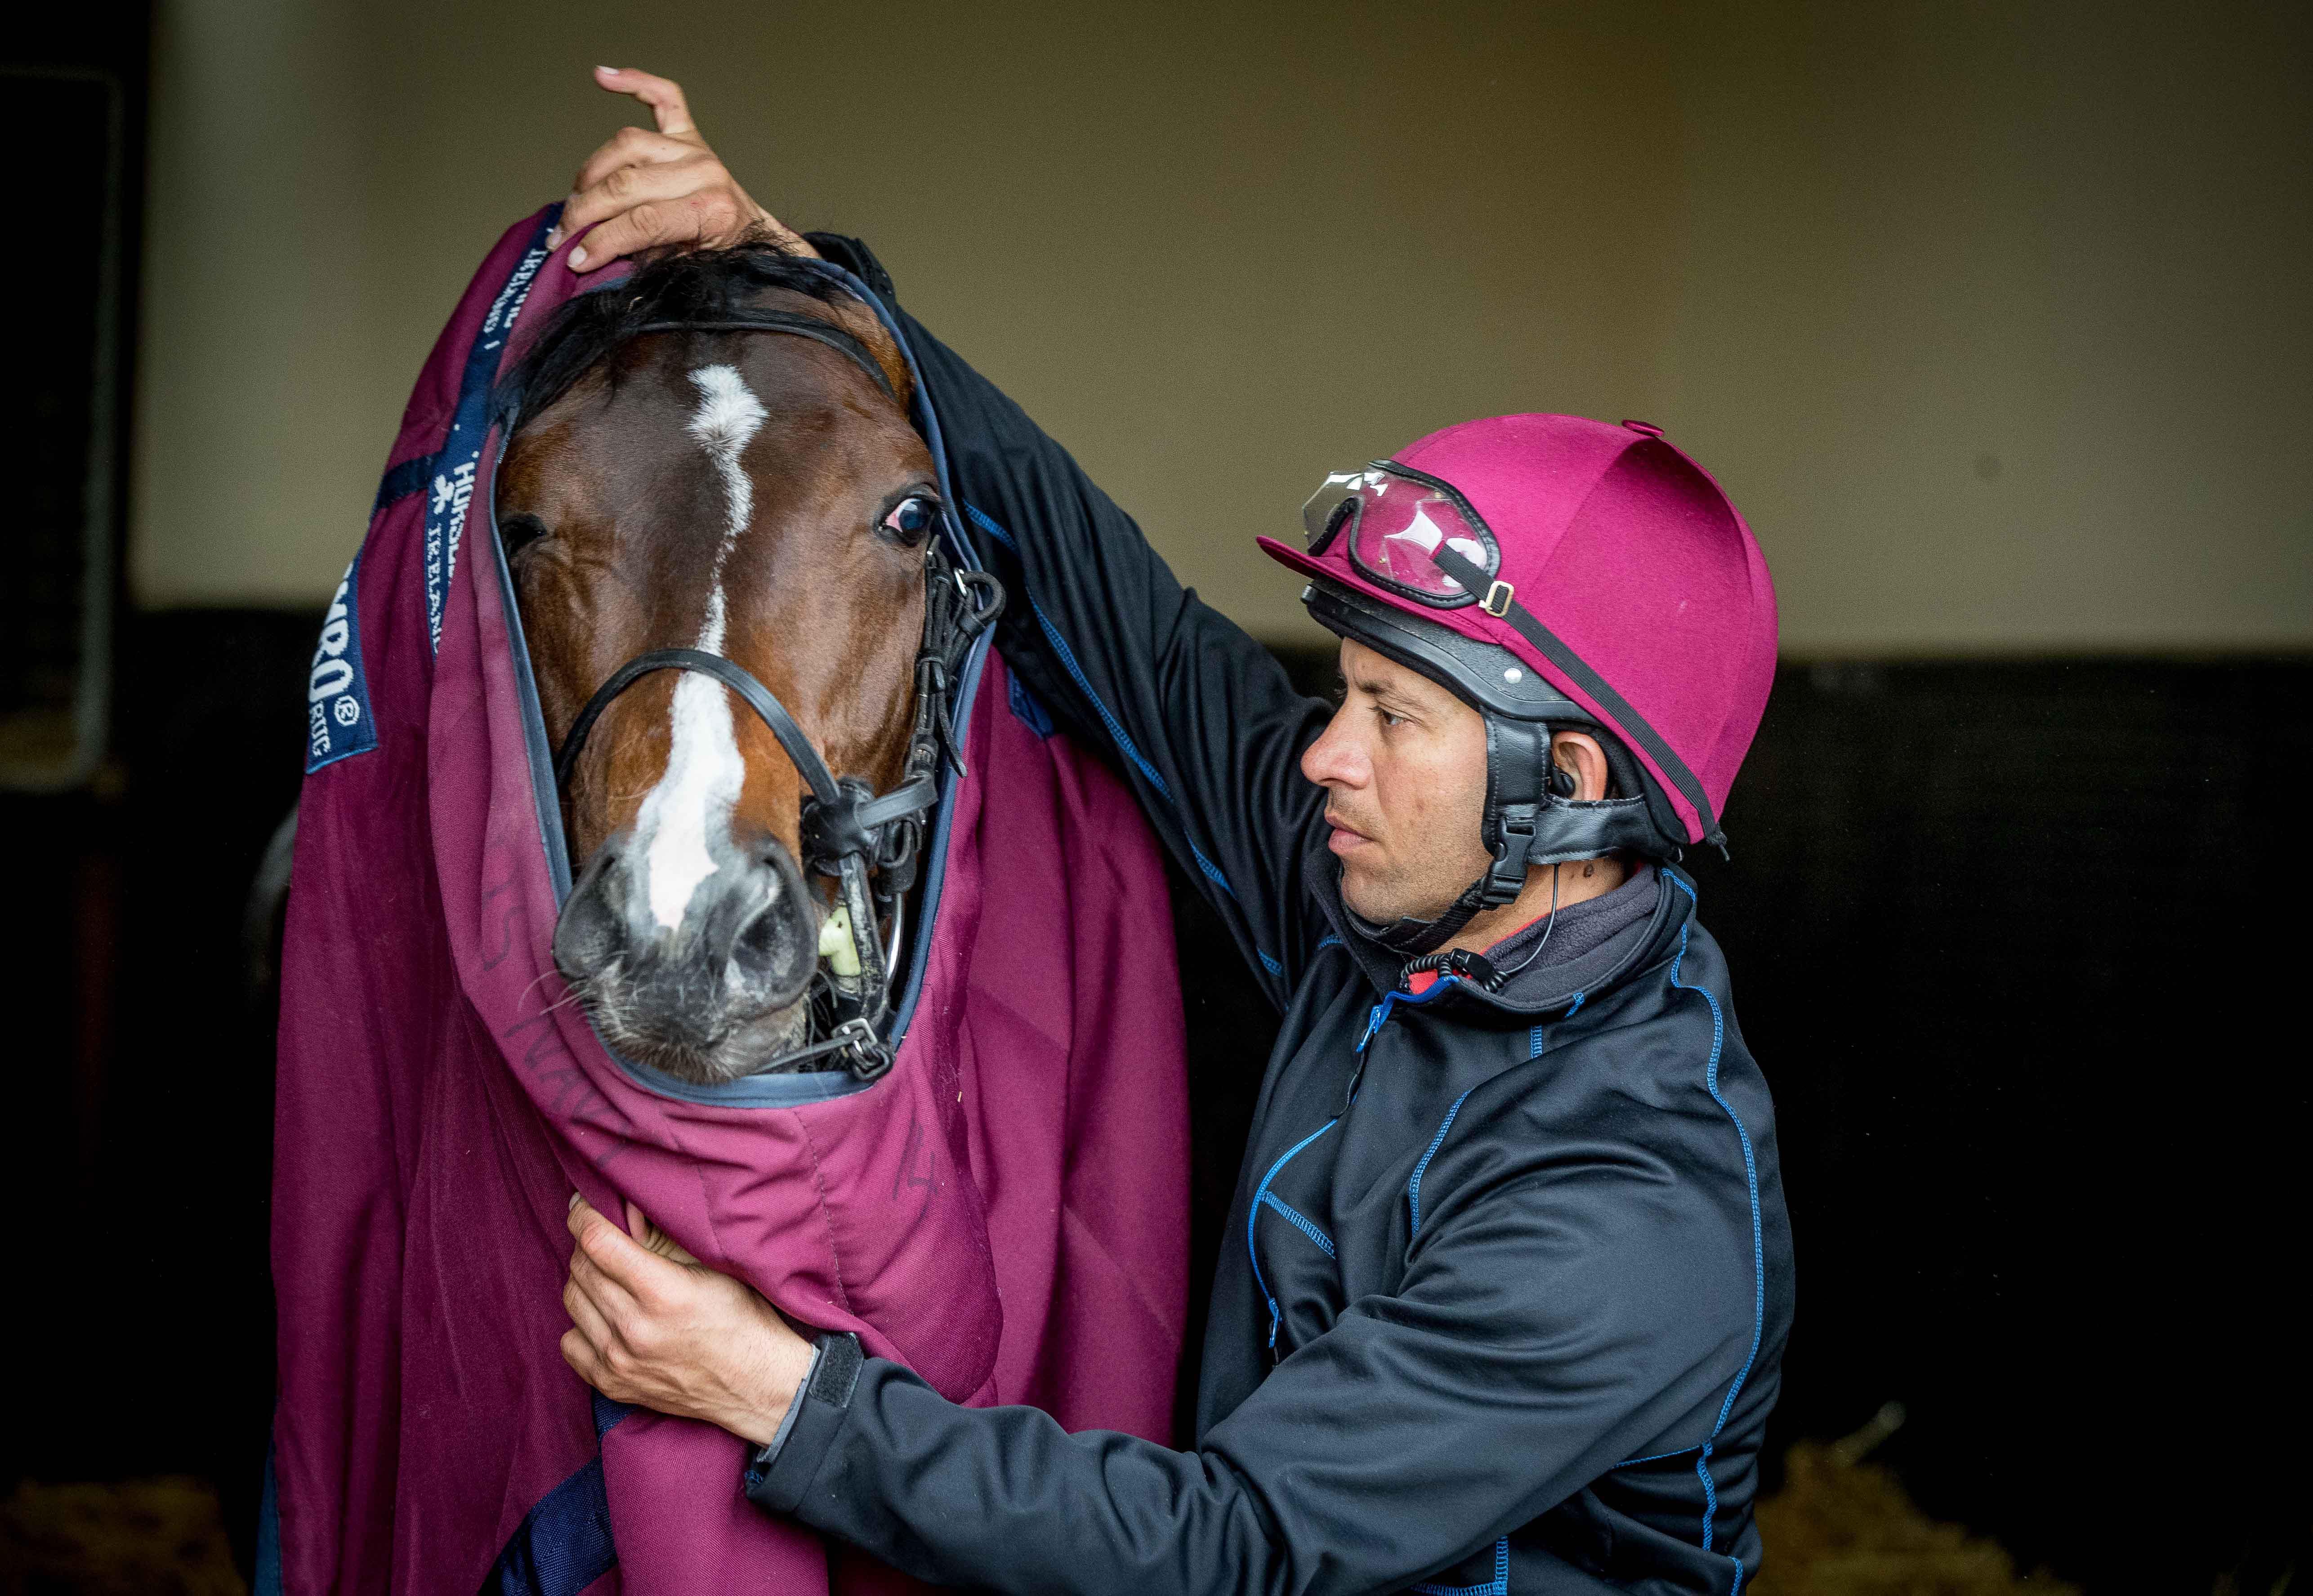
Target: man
1508,1275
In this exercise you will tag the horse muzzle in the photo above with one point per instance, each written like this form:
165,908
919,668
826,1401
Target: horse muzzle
711,997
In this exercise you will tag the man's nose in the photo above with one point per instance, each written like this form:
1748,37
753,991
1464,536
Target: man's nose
1334,760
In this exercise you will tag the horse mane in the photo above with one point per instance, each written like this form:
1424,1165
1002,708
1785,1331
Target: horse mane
700,285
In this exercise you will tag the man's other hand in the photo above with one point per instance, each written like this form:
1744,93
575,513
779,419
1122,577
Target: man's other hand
646,191
651,1325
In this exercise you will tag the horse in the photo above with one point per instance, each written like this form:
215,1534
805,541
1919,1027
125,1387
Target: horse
637,856
711,474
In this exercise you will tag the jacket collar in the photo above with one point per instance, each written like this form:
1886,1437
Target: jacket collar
1541,990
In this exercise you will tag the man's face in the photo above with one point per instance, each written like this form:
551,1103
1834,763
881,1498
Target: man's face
1403,766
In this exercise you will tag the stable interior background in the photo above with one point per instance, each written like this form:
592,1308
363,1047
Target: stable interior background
1993,321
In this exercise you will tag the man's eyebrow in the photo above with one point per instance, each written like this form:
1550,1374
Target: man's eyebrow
1388,691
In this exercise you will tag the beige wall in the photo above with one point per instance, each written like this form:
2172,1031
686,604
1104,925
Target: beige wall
1997,327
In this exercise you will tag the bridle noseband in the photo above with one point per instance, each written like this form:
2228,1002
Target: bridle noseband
869,843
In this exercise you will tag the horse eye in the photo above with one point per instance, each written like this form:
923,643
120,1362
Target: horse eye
911,519
518,532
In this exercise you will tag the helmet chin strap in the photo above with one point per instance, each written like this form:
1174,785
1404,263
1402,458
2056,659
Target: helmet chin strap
1410,938
1519,783
1531,819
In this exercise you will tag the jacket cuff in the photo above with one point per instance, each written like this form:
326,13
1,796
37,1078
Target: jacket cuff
779,1474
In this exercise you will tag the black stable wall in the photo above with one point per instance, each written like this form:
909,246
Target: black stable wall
141,1131
2014,942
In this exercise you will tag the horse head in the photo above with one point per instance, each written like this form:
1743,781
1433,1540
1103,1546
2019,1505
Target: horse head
679,480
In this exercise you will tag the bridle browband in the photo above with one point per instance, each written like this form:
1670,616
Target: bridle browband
869,843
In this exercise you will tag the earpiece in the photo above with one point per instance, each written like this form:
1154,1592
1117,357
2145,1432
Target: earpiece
1561,780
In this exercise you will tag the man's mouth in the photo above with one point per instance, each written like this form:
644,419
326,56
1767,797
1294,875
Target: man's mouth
1346,837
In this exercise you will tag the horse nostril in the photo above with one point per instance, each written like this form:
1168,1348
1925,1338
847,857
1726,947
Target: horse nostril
777,949
590,933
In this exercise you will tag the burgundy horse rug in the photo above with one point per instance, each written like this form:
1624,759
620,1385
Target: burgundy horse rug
996,1196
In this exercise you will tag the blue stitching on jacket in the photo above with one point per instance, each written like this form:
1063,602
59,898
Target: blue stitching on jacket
1758,1243
1115,727
1381,1012
1710,1495
1534,1037
980,519
1212,871
1259,1198
1413,1187
1069,659
1501,1583
1300,1222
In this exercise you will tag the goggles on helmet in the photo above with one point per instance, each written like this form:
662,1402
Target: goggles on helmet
1396,519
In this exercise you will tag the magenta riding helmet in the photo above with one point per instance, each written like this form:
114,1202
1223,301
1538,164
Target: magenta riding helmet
1556,572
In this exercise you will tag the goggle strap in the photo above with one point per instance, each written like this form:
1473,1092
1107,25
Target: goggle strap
1475,582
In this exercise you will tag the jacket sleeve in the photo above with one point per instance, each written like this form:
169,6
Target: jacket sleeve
1199,717
1542,1336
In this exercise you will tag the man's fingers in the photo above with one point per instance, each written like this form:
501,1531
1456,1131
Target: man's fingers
619,1259
585,1316
654,1240
623,187
614,178
600,1243
658,223
588,1363
633,146
663,95
613,1300
642,228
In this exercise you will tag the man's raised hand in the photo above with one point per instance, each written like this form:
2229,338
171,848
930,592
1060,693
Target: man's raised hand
645,189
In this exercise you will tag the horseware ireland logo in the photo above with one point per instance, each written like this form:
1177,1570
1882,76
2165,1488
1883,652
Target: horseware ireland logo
453,489
453,492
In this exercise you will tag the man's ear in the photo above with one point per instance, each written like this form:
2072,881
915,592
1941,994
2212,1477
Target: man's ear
1578,754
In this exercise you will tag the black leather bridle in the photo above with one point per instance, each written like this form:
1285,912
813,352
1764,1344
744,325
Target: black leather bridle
870,844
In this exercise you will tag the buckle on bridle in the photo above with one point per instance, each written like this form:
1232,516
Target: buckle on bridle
829,831
858,1045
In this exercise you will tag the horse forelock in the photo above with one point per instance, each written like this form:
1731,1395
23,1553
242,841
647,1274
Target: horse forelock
700,286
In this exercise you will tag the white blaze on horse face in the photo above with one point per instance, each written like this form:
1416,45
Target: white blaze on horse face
704,772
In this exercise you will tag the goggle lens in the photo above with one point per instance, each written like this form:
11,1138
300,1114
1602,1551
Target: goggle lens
1396,524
